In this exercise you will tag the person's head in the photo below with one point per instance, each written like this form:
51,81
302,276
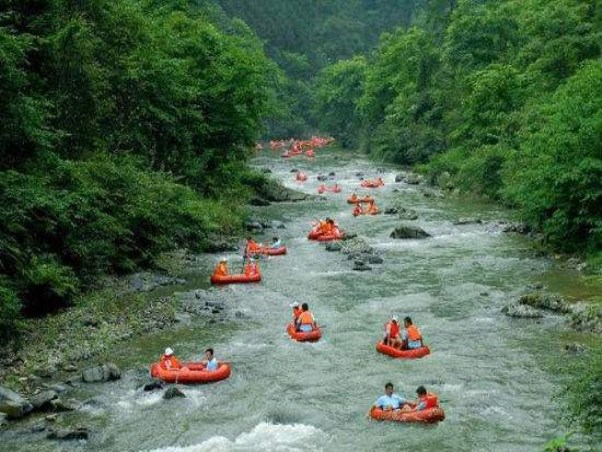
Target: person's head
389,388
224,260
275,239
304,307
421,391
249,237
407,321
168,351
328,219
394,319
209,353
294,305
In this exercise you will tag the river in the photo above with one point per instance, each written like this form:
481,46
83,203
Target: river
491,372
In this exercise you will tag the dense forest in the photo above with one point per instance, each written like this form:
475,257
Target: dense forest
124,130
500,98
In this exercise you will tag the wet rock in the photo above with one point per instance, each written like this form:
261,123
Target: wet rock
142,282
399,177
361,266
215,311
464,221
69,434
522,311
586,318
44,372
549,302
3,420
173,392
152,385
74,381
41,401
407,214
333,246
391,211
253,225
257,201
322,178
104,373
276,192
409,232
519,228
13,405
275,224
355,245
359,174
373,259
294,170
59,405
484,293
266,171
412,179
51,418
55,387
575,349
349,236
69,368
37,428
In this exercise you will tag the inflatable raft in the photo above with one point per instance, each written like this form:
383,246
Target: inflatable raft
311,336
330,237
368,183
402,354
190,373
273,251
429,415
235,279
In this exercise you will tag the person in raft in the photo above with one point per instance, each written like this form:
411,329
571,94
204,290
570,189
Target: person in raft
410,336
276,243
354,198
251,268
357,210
210,361
252,247
296,313
390,400
222,268
169,361
426,400
391,336
307,322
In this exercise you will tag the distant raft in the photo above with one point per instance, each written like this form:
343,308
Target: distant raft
402,354
190,373
235,279
429,415
310,336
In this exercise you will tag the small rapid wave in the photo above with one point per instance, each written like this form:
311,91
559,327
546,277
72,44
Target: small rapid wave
264,436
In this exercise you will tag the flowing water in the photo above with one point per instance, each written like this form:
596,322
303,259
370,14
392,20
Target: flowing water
489,370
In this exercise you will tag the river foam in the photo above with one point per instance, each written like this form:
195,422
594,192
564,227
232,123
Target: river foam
264,436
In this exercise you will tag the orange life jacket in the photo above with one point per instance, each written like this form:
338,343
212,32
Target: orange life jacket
170,362
357,210
306,318
251,269
413,333
296,313
393,329
430,400
221,270
252,246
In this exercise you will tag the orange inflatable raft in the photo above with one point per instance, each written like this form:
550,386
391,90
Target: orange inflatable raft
235,279
369,183
402,354
429,415
190,373
311,336
273,251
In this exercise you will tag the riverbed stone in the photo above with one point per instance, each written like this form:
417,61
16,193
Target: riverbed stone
355,245
69,434
322,178
465,221
104,373
258,201
409,232
522,311
152,385
173,392
333,246
361,266
59,405
41,401
44,372
253,225
37,428
13,405
549,302
373,259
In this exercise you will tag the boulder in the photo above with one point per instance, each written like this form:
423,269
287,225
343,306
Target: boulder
44,372
399,177
322,178
407,214
275,224
361,266
355,245
521,311
104,373
173,392
374,259
463,221
41,401
69,368
13,405
549,302
333,246
253,225
59,405
37,428
69,434
257,201
412,179
575,349
152,385
409,232
391,211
